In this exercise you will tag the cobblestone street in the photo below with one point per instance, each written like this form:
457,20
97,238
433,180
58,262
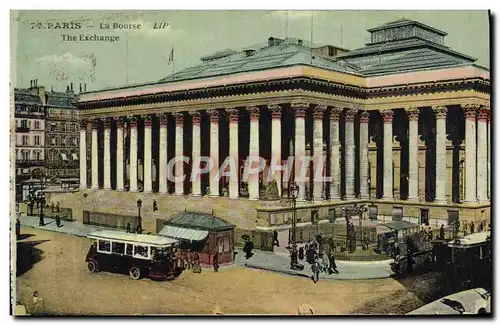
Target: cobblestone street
60,276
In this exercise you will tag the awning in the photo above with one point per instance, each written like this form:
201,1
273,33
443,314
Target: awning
400,225
63,155
183,233
75,157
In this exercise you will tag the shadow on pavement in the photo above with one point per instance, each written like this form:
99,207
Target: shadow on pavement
28,255
24,236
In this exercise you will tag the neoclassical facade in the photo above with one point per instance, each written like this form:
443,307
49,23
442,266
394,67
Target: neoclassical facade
402,125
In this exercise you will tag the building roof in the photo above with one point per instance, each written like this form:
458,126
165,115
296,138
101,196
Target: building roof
289,52
26,96
61,99
407,22
130,237
201,221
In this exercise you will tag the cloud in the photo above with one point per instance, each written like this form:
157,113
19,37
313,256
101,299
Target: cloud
293,14
67,66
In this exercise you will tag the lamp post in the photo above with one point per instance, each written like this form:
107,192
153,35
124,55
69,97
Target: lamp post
293,193
348,212
42,201
139,219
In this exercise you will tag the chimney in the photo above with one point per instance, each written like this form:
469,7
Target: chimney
80,87
71,86
67,89
41,94
84,87
36,82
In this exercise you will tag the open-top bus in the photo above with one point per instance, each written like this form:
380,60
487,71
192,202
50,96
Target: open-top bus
139,255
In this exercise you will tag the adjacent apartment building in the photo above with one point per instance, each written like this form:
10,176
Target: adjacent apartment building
46,136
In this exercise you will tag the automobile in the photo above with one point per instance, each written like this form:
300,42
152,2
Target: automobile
139,255
472,301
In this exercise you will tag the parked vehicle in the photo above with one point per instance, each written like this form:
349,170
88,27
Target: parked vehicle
137,254
473,301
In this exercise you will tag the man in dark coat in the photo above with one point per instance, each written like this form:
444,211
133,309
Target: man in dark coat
310,255
275,239
128,226
248,249
457,228
216,261
441,232
301,253
155,206
58,221
471,227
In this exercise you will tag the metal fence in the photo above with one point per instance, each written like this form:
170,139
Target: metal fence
63,213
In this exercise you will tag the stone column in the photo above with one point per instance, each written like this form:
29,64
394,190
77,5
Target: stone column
335,153
95,158
107,154
350,154
83,154
489,153
413,113
276,141
234,189
441,172
253,179
364,187
319,160
300,109
133,154
470,111
482,156
179,152
387,116
214,152
148,176
119,154
162,179
196,183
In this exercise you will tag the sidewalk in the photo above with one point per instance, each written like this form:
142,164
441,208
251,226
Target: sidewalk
67,227
349,270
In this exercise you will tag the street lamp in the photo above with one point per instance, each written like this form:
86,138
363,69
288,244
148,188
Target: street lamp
139,221
42,201
293,193
348,212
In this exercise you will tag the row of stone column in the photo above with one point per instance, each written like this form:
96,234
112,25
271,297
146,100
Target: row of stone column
299,109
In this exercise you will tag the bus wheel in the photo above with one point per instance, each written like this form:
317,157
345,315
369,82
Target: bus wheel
92,266
134,273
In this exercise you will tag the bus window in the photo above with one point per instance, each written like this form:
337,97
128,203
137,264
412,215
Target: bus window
141,251
118,248
104,246
130,249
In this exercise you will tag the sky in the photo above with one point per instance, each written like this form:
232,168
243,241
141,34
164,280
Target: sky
142,55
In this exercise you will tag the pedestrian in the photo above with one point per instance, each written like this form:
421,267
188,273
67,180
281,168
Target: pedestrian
52,206
155,206
315,269
441,232
457,228
216,261
310,255
395,250
333,265
366,243
128,227
319,240
189,259
301,253
248,248
57,207
464,227
41,220
58,221
481,227
18,228
471,225
196,264
275,239
409,261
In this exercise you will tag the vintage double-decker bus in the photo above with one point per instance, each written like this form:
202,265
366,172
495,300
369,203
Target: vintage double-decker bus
137,254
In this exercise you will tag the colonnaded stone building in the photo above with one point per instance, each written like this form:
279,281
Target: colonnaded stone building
403,124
